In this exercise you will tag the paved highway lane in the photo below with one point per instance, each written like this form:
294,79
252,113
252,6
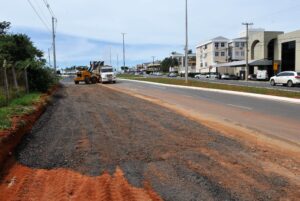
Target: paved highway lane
272,118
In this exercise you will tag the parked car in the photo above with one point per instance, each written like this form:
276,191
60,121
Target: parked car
288,78
172,75
262,75
212,76
225,76
200,76
252,77
157,74
234,77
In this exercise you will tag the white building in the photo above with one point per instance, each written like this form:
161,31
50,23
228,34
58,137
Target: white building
181,60
211,53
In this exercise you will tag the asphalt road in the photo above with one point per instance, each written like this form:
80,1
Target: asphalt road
261,84
280,120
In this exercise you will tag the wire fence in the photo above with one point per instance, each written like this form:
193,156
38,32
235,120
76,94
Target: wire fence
11,88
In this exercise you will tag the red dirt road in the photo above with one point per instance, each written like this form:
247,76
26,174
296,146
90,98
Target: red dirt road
94,143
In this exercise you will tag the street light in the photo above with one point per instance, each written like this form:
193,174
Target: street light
186,41
247,48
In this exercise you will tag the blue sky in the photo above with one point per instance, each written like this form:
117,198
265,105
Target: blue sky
89,30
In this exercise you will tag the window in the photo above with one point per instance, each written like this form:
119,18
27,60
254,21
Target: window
237,44
201,65
205,47
242,53
298,74
205,64
237,54
223,54
216,54
290,74
243,44
216,44
222,44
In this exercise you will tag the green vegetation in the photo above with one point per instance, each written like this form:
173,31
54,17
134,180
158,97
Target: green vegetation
129,76
22,67
247,89
19,106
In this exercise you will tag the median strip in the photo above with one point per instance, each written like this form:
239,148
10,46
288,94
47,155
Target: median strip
278,95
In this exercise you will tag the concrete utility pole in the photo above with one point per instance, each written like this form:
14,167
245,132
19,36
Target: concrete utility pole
53,37
124,63
247,48
186,41
49,57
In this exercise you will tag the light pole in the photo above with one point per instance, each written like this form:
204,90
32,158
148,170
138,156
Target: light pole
123,34
186,41
247,48
53,38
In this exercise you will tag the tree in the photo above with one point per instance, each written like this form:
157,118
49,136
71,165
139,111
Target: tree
4,26
167,63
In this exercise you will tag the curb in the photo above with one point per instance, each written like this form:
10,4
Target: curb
261,96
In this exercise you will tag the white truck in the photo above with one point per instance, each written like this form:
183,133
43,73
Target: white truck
107,74
262,75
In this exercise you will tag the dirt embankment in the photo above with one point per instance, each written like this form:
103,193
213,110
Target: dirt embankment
92,132
21,125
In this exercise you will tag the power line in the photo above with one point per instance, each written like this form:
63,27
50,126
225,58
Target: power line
36,12
49,8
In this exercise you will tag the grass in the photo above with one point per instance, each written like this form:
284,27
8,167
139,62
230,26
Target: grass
18,106
248,89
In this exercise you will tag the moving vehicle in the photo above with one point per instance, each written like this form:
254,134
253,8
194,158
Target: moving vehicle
262,75
87,76
288,78
107,74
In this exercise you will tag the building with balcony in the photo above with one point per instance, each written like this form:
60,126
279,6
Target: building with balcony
181,62
211,53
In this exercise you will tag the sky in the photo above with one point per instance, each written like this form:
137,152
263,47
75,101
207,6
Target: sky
91,29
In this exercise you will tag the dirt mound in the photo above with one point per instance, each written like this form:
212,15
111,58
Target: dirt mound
23,183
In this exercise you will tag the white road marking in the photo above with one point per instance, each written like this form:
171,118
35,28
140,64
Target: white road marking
241,107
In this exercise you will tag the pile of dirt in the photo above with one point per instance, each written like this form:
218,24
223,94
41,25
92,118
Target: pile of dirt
23,183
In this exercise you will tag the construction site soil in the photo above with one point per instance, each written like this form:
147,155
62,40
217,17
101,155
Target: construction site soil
94,143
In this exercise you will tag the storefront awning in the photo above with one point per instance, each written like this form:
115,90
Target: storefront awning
260,62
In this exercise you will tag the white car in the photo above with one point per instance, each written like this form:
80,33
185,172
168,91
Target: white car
225,76
288,78
200,76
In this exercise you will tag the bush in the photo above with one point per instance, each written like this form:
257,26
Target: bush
41,79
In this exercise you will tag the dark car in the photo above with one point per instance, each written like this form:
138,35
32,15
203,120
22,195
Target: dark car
233,77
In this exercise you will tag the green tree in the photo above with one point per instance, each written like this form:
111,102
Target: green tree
4,27
167,63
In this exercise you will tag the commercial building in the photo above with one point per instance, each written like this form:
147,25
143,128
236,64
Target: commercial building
181,62
273,51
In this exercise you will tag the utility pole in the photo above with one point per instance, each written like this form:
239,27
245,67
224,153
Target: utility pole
186,41
153,58
118,61
247,48
53,37
49,57
110,56
124,63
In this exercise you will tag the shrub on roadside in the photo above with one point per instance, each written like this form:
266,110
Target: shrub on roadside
41,79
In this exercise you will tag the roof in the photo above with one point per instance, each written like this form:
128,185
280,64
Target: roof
217,39
259,62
